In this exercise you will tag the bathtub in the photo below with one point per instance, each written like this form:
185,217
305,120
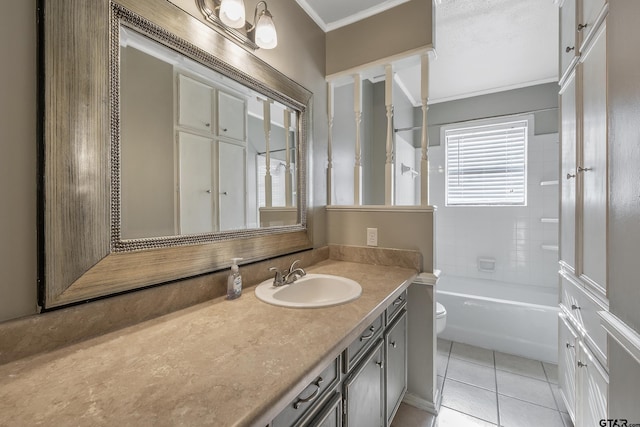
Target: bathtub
511,318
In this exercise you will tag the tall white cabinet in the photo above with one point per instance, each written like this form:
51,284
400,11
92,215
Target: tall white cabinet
599,324
211,161
583,361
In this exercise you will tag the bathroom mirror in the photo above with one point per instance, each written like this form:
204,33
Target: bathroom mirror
166,150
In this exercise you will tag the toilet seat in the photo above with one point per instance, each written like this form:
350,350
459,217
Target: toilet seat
440,310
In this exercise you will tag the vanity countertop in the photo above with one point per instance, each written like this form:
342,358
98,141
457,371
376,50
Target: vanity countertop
219,363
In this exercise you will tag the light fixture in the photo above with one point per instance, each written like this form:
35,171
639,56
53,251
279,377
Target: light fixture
264,30
228,17
232,13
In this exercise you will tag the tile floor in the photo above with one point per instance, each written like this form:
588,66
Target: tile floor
487,388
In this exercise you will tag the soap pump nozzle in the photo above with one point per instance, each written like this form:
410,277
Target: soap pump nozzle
234,263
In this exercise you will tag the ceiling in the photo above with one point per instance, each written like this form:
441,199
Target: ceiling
482,46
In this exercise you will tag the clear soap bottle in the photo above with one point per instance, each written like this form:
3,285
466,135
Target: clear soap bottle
234,281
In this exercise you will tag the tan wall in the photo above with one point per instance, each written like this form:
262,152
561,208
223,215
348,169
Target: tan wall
147,145
398,227
300,55
401,29
18,159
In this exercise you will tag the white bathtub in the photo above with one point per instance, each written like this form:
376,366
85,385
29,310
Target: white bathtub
511,318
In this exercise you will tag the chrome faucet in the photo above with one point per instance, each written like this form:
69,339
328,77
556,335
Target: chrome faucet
287,277
294,273
277,279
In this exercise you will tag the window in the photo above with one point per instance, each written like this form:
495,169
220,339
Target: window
487,165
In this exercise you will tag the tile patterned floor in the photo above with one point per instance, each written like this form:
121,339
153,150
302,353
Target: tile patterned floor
487,388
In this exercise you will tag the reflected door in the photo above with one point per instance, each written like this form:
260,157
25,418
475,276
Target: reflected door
195,186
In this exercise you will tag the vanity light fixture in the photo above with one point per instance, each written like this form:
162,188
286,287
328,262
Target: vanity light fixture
232,13
228,18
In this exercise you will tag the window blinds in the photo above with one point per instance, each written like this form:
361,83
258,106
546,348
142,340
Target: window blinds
486,165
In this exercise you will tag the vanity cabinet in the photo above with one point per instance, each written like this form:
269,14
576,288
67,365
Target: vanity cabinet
365,385
584,203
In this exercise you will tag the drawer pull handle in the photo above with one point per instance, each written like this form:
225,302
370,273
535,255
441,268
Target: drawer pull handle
581,365
398,301
366,337
569,176
569,49
393,344
582,26
380,364
575,307
570,345
312,396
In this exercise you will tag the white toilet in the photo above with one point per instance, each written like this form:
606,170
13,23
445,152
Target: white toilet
441,318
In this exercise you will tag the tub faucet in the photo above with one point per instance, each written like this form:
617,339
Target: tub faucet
294,273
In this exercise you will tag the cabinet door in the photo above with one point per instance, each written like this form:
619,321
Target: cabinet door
194,105
567,340
363,391
396,371
588,14
592,169
331,413
568,174
593,388
568,48
233,190
231,116
195,174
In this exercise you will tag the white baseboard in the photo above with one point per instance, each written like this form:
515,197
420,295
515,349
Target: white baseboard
420,403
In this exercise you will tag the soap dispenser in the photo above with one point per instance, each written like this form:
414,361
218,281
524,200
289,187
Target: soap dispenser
234,282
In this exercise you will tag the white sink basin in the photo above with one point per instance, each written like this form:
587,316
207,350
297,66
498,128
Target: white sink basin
312,290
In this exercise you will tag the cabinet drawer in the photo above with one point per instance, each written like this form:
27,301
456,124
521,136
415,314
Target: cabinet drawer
360,345
567,341
583,309
395,307
298,410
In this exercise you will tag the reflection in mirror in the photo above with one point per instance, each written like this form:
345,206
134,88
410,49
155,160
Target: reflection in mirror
200,153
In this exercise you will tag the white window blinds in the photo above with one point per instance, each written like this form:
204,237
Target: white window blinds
487,165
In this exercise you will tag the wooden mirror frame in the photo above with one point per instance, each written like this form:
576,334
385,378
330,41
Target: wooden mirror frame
81,253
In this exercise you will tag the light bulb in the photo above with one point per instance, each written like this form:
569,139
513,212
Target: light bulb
266,36
232,13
